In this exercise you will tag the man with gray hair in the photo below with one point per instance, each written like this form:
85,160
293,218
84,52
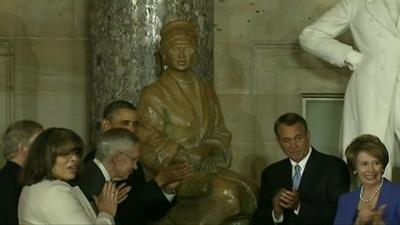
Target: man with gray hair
16,141
143,201
117,154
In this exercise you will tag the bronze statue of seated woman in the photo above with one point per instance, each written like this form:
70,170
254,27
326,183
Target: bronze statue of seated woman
180,119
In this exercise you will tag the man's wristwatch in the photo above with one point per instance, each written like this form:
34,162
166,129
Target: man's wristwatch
169,191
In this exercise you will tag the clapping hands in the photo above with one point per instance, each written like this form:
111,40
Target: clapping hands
107,201
367,215
171,173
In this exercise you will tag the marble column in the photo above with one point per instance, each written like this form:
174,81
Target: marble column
125,39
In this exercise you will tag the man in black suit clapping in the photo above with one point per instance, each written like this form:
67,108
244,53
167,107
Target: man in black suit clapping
146,200
303,188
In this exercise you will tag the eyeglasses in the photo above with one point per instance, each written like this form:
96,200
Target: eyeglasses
69,155
130,157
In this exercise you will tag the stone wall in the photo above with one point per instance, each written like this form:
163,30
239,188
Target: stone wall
44,62
261,72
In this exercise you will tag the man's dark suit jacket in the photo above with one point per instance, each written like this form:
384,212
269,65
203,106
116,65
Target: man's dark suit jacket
10,189
91,180
323,180
145,202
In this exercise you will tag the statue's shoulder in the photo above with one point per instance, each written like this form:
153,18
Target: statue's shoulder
158,87
150,89
202,81
206,84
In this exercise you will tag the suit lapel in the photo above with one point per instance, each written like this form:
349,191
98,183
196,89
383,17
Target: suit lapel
310,172
100,180
381,14
384,196
287,175
352,205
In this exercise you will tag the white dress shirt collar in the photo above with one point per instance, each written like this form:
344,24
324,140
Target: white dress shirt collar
103,169
302,163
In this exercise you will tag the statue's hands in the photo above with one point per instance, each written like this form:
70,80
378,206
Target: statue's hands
173,171
170,151
201,159
353,59
196,158
202,152
208,165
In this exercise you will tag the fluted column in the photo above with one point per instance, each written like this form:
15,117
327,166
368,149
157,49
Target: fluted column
125,36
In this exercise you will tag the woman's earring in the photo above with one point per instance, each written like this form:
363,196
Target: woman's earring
354,172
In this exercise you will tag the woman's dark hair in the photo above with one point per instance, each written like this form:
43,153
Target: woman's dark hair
369,144
44,150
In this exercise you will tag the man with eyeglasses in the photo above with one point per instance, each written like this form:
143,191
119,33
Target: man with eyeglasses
117,154
141,201
303,188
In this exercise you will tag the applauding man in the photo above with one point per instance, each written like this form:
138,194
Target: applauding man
303,188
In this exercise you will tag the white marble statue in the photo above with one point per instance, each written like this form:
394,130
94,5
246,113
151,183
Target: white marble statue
372,96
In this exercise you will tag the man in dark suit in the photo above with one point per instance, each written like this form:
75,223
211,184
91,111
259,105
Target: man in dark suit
303,188
146,200
117,154
16,140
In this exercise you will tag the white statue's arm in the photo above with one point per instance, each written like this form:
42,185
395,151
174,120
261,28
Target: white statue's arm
319,37
353,59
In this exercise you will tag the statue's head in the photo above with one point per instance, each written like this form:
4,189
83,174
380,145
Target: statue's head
178,44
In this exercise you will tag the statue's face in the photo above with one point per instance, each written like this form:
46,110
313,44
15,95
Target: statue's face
179,54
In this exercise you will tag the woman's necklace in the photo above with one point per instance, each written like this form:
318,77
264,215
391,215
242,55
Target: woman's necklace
373,195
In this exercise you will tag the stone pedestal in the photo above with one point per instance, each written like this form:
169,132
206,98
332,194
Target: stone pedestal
125,37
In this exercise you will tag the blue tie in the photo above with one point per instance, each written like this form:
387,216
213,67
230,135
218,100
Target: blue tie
296,177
